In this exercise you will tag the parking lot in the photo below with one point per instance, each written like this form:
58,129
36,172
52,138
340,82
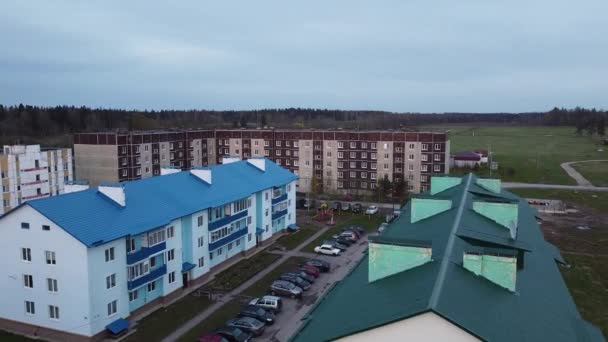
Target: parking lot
288,320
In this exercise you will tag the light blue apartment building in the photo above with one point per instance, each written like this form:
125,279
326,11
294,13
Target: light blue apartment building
83,261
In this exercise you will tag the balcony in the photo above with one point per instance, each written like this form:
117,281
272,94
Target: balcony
281,198
152,275
279,214
227,239
227,220
144,253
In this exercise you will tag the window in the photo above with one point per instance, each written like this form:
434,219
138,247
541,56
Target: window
26,254
437,157
201,241
109,254
424,157
111,281
372,175
25,225
156,237
132,296
295,163
437,147
219,251
130,245
171,277
50,258
52,285
170,254
278,142
353,155
411,177
373,155
423,178
411,157
267,228
201,261
152,261
424,168
28,281
340,144
266,143
436,167
386,166
353,174
53,312
210,255
386,156
363,185
364,165
238,242
30,308
170,232
363,155
249,237
296,144
353,165
112,308
340,174
340,185
46,227
230,246
353,144
425,147
340,155
152,286
363,174
373,166
410,167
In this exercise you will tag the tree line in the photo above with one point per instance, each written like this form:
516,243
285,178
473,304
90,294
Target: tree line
26,121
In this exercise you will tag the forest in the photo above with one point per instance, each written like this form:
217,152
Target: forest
53,125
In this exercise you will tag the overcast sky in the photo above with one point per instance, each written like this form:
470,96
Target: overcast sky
404,55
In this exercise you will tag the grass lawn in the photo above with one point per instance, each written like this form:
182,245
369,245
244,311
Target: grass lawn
368,223
595,172
240,272
594,200
527,154
213,322
6,336
163,321
232,308
293,240
587,279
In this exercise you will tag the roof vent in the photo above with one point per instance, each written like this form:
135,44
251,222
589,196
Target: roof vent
165,170
439,184
499,267
505,214
260,163
114,192
202,174
392,256
493,185
423,208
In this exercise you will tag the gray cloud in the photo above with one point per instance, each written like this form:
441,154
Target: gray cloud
388,55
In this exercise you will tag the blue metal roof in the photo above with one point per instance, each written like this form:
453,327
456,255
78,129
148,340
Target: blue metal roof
94,219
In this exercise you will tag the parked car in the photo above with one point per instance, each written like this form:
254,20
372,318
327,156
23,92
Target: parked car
273,303
234,334
309,278
354,231
358,229
323,266
310,270
371,210
257,313
327,250
342,240
294,279
382,227
285,288
345,206
248,324
212,338
357,208
351,236
335,244
335,206
309,204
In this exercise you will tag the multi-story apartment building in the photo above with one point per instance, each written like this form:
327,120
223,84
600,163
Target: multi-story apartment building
82,262
29,172
337,160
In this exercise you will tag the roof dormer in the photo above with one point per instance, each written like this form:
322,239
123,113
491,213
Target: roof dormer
114,192
202,174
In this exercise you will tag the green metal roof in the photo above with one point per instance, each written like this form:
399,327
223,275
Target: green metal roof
540,309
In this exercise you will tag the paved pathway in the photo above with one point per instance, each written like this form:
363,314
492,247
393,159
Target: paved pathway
580,180
186,327
509,185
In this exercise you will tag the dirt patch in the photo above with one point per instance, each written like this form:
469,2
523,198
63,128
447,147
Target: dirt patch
584,232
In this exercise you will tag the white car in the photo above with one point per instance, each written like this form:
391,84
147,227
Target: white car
371,210
327,249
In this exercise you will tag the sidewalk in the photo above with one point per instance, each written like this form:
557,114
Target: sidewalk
186,327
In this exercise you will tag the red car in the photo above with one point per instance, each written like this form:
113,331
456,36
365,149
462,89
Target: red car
311,270
212,338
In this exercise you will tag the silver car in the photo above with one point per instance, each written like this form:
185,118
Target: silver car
273,303
285,288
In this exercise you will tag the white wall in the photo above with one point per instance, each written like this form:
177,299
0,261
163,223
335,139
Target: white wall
291,209
424,327
203,251
175,265
71,255
100,295
266,219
